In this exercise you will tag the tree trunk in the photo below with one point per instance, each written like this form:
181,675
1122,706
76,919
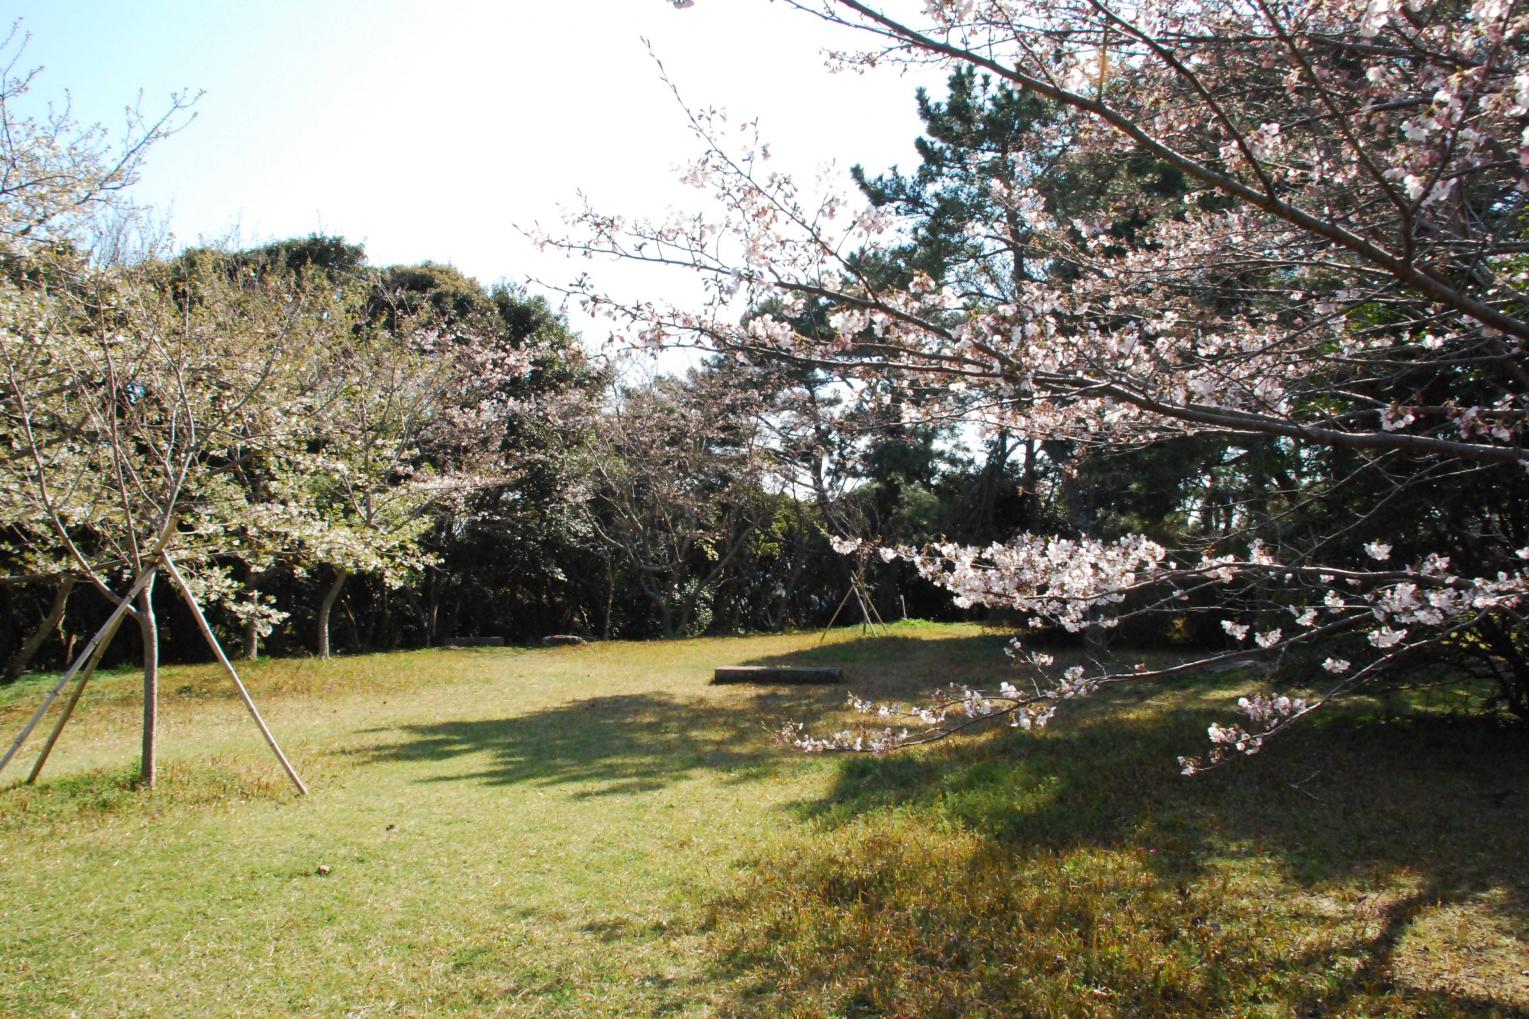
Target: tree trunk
24,654
431,607
251,639
104,633
148,768
326,606
385,635
1511,667
1078,497
1032,487
252,624
610,597
233,674
978,505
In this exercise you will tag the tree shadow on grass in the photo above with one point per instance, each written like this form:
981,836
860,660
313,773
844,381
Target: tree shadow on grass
889,667
1344,791
615,745
902,664
1284,884
1442,796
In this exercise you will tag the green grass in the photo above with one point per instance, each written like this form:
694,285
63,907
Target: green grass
595,831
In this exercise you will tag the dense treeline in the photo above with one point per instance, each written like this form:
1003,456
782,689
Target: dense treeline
636,508
617,506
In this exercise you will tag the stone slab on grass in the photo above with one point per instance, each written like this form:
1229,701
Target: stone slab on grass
778,674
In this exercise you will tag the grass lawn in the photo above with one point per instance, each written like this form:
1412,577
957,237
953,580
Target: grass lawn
595,831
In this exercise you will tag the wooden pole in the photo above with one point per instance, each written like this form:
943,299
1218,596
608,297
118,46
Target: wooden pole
74,698
111,622
228,666
874,610
835,617
865,611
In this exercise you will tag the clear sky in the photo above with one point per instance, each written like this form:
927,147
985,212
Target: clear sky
431,131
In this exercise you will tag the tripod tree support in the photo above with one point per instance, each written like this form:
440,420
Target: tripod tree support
228,666
86,654
862,598
74,699
868,609
835,617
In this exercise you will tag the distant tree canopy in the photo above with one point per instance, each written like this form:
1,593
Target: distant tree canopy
436,504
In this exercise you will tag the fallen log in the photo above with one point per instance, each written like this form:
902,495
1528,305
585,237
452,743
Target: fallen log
778,674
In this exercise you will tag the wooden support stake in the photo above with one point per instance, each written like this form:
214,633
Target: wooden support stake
835,617
874,611
228,666
74,698
867,610
115,618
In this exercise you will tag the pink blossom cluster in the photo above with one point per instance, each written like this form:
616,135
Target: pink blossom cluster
1078,584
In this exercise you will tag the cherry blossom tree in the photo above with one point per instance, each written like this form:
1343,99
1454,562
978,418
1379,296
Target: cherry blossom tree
674,480
1341,279
422,411
58,177
62,186
128,398
122,388
419,420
